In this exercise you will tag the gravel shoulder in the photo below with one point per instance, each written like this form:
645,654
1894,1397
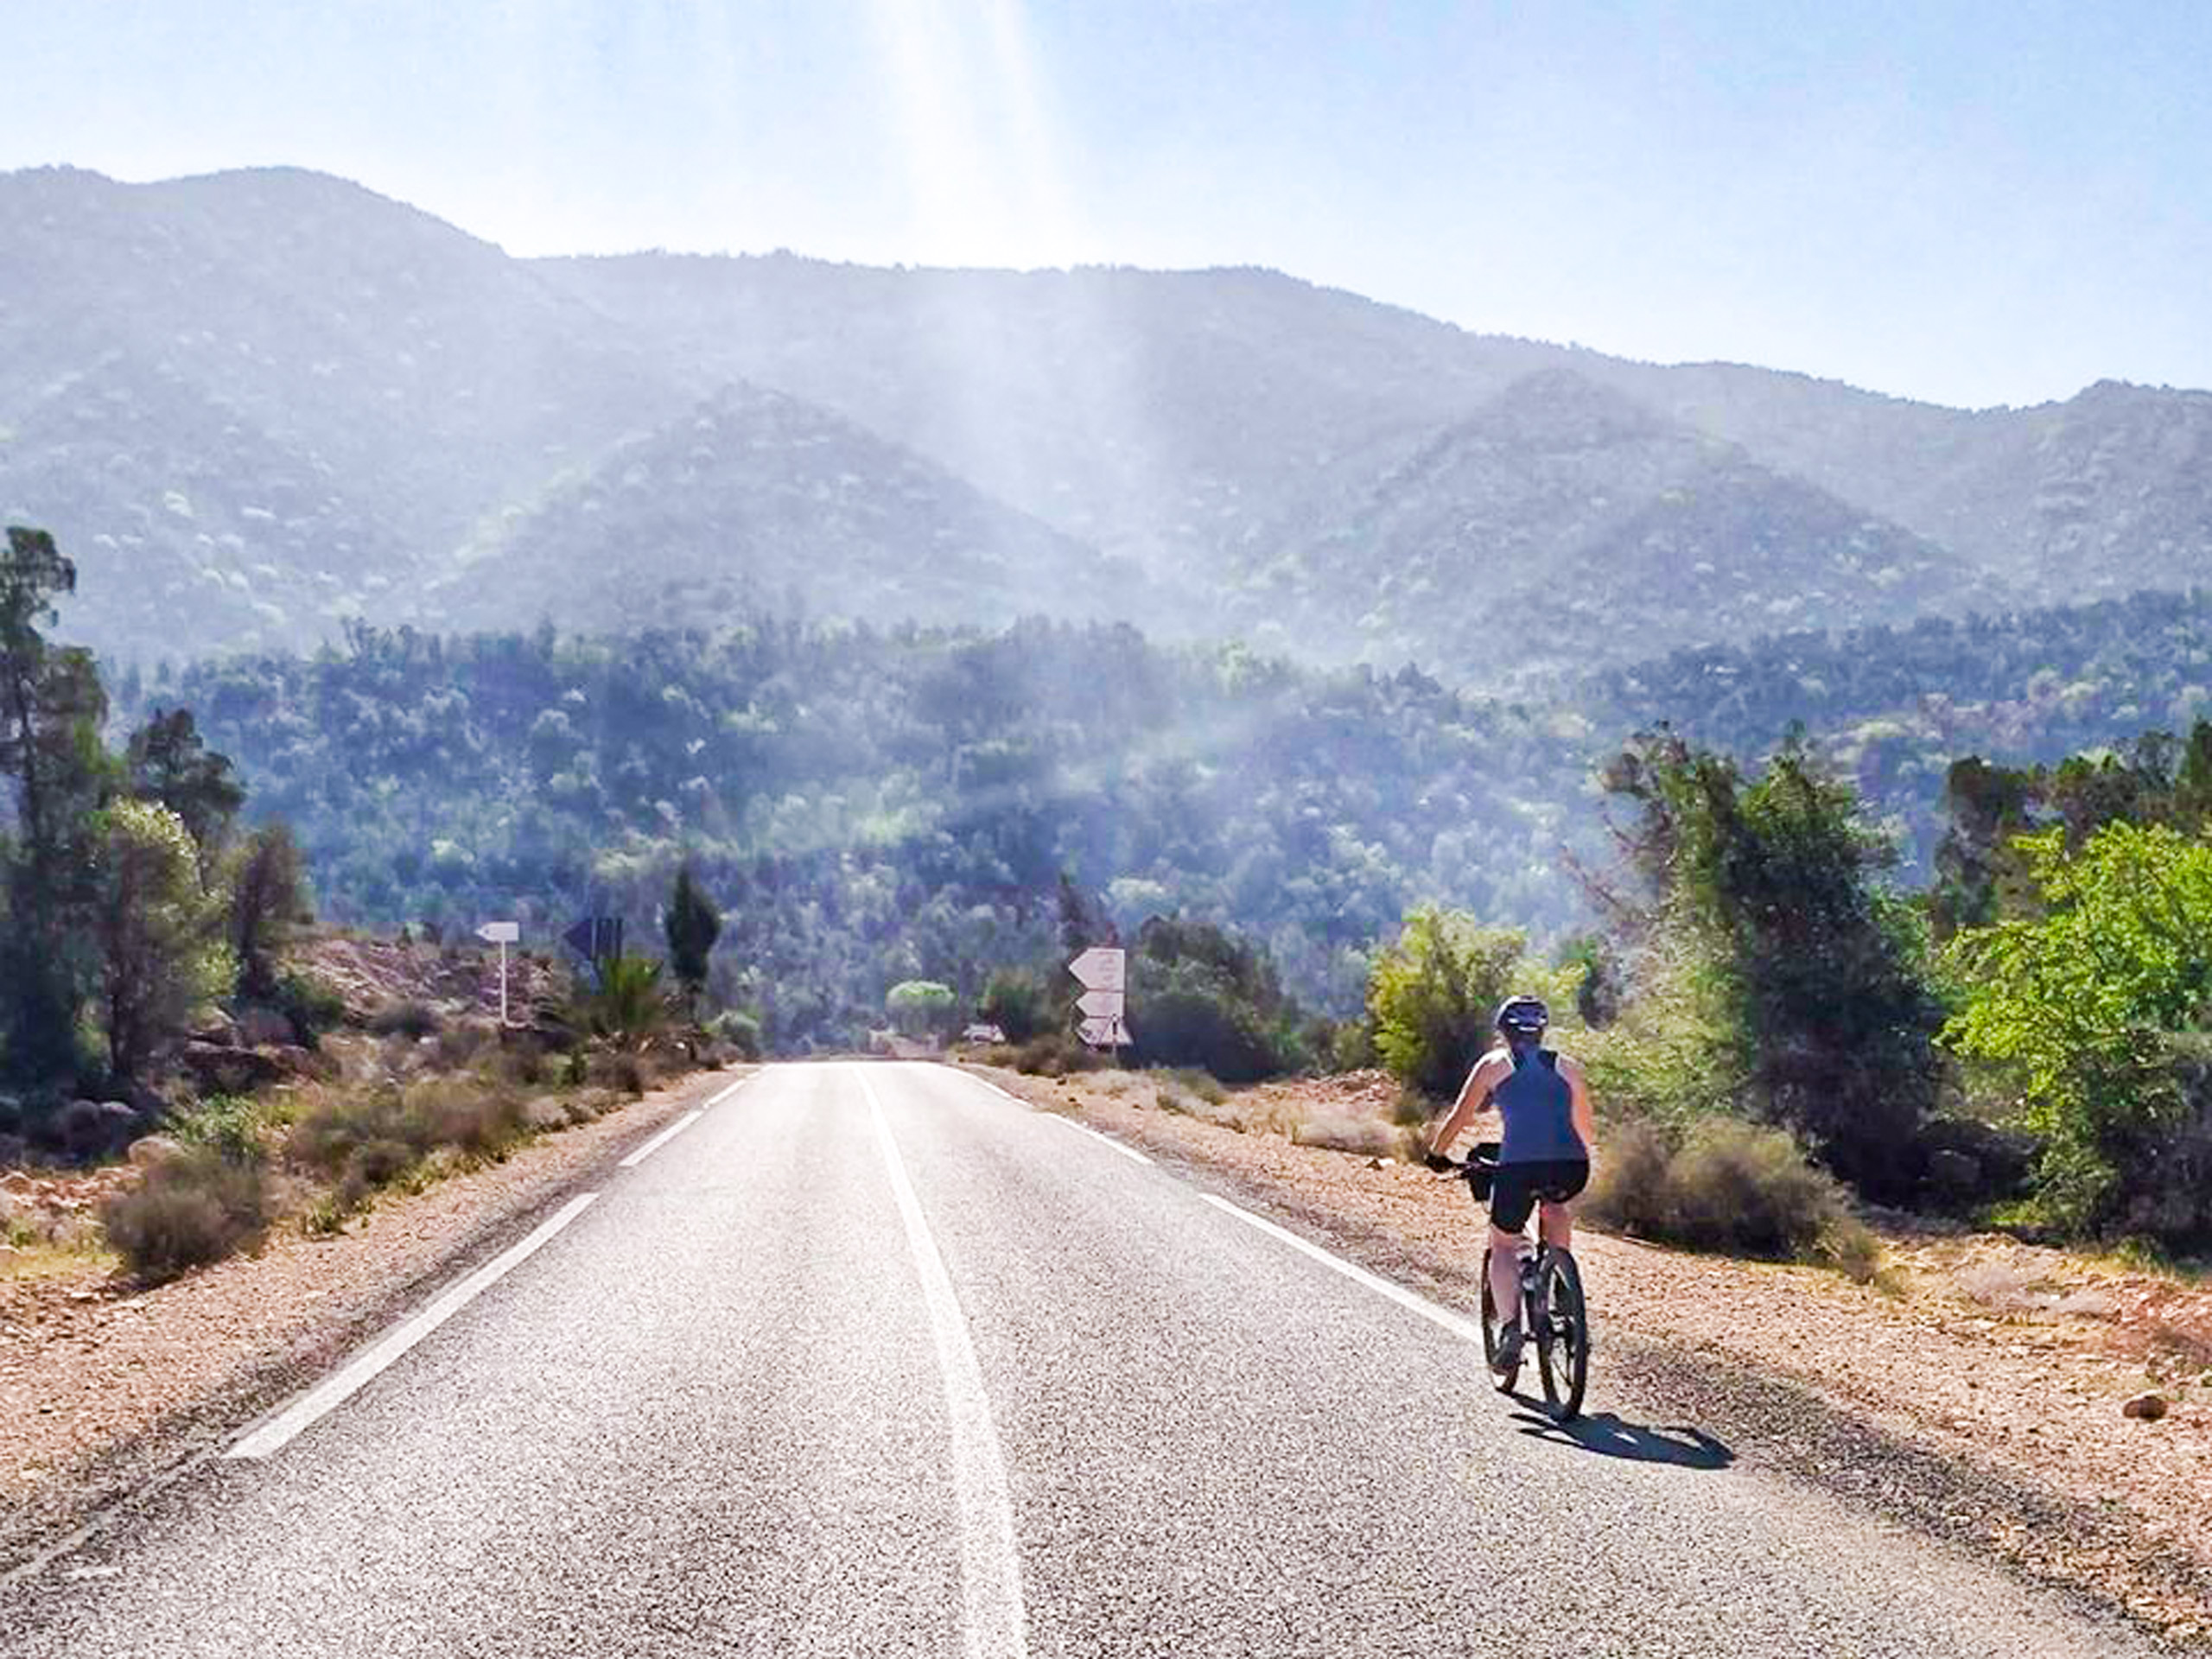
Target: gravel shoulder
1976,1390
105,1387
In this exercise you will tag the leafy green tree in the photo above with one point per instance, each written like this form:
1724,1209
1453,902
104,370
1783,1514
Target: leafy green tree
2080,1004
1432,992
51,711
1820,970
921,1008
1203,995
1017,1003
268,901
166,761
692,924
162,958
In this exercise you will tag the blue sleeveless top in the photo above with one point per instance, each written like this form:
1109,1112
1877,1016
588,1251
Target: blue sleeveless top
1538,1108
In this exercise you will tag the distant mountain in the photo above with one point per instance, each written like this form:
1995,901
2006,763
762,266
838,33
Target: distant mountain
254,404
1564,524
755,501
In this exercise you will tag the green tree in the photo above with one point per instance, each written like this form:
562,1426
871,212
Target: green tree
162,958
692,924
51,711
1432,992
2080,1006
1819,969
268,900
921,1008
166,761
1202,996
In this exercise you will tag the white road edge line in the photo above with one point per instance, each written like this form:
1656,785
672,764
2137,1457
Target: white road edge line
661,1140
304,1412
990,1566
1460,1326
731,1090
1108,1140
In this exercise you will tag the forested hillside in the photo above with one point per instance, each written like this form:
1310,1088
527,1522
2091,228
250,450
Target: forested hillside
870,806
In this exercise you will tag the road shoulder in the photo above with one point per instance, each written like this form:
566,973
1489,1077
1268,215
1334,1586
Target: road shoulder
106,1389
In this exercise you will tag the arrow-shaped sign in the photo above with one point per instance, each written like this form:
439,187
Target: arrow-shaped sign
1103,1034
1105,1005
499,932
1101,968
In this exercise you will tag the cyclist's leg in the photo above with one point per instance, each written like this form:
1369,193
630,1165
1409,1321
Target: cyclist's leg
1556,1225
1512,1198
1561,1183
1505,1252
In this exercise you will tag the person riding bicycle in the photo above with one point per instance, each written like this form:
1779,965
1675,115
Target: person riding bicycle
1550,1132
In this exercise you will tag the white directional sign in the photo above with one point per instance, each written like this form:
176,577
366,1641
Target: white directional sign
1101,968
502,934
1102,971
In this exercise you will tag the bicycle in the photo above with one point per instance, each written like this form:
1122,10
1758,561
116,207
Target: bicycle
1554,1316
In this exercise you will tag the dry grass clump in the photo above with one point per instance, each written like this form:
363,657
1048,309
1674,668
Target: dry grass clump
1364,1137
195,1207
1731,1187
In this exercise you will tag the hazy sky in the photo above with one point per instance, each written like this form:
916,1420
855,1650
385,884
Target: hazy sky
1971,202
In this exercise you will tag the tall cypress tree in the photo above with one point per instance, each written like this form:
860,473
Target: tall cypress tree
692,926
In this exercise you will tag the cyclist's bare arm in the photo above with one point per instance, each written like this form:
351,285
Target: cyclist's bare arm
1474,1097
1582,1112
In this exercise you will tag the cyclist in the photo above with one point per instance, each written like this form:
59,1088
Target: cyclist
1550,1132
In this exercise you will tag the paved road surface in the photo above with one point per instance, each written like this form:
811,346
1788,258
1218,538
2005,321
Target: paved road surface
871,1360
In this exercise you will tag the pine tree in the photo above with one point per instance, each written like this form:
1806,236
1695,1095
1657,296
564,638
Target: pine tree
692,926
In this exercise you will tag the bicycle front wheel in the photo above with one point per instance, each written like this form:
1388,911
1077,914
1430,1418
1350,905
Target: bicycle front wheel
1563,1338
1503,1380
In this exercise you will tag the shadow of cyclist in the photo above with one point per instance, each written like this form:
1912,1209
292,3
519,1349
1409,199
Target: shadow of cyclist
1609,1436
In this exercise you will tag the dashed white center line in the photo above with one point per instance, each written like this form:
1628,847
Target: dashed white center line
1457,1324
990,1567
277,1432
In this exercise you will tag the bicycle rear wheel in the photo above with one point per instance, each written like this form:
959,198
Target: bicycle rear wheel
1563,1336
1503,1380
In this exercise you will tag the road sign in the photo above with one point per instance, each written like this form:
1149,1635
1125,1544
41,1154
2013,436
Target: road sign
1105,1005
1109,1033
502,934
595,937
1101,968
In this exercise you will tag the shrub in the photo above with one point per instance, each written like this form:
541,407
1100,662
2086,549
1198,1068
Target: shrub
739,1029
1431,995
481,1119
229,1124
197,1207
409,1017
312,1007
1741,1188
1366,1137
1054,1055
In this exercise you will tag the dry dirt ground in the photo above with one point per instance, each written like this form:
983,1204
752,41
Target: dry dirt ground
1972,1353
103,1385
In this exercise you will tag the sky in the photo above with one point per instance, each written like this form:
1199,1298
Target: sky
1974,202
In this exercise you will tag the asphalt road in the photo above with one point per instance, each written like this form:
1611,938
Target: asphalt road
872,1360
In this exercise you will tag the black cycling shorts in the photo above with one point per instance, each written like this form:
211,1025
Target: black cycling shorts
1514,1189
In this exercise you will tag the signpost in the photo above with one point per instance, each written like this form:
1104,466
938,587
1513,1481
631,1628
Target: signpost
595,939
1102,971
502,934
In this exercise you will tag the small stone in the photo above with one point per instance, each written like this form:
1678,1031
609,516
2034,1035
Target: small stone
1381,1163
2145,1408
